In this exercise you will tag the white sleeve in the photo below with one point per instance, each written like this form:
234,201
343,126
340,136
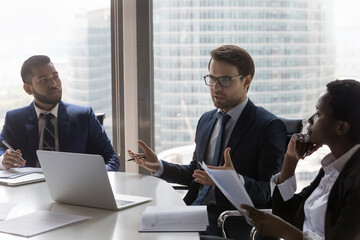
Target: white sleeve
287,188
308,235
1,160
160,171
242,180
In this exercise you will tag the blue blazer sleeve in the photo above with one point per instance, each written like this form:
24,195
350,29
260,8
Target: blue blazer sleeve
80,131
21,132
100,144
182,174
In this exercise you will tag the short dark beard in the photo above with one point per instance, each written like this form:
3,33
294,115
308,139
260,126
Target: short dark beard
44,99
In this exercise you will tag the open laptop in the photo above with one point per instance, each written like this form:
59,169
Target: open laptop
81,179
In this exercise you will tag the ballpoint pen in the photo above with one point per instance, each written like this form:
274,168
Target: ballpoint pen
10,147
132,159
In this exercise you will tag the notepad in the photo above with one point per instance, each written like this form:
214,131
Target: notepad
26,179
18,172
174,219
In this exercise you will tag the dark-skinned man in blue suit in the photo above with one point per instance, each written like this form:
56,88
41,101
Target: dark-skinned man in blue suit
256,137
75,128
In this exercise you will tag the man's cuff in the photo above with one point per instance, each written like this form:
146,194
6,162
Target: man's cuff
1,160
308,235
287,188
242,180
160,171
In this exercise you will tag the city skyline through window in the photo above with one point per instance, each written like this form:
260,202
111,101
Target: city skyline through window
74,34
297,46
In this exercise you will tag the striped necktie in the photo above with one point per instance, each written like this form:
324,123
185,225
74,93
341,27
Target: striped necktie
49,133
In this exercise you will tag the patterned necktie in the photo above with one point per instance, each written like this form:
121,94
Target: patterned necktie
49,133
217,156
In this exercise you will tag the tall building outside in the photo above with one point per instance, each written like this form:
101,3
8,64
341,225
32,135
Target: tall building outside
89,68
290,41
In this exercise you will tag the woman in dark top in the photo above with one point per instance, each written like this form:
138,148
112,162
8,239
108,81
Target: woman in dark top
329,208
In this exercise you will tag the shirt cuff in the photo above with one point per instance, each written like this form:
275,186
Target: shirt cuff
160,171
1,159
287,188
308,235
242,180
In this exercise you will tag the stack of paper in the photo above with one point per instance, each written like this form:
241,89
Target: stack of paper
174,219
19,176
18,172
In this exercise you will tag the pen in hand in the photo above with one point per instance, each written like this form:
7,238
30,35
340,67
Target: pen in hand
10,147
132,159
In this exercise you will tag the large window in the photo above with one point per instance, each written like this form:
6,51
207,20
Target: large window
76,36
297,46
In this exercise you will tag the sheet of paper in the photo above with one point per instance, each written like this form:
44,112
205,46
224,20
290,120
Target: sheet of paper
18,172
176,218
230,185
29,178
38,222
5,208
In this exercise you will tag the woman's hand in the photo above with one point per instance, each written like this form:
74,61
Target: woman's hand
300,146
267,224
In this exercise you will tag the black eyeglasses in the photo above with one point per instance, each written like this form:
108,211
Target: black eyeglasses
224,81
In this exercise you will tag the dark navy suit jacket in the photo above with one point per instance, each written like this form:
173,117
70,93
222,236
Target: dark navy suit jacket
342,218
78,128
258,144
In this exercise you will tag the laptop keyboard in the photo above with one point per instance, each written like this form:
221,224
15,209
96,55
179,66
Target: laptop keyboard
120,202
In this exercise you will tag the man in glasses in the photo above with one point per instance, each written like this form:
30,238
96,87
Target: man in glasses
256,137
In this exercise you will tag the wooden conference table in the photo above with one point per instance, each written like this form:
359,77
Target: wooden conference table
104,224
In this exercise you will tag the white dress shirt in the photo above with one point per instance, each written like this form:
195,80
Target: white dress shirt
316,204
42,122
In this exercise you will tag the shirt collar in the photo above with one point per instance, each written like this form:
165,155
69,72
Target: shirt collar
338,164
53,111
236,111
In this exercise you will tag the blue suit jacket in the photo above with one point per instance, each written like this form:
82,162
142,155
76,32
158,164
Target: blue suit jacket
78,128
258,144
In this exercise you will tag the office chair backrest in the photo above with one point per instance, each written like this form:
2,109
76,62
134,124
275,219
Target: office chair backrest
293,125
100,117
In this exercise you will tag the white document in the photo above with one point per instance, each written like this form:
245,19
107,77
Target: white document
230,185
18,172
29,178
5,208
174,219
38,222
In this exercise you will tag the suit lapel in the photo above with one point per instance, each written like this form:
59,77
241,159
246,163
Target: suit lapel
32,129
205,136
244,122
63,126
